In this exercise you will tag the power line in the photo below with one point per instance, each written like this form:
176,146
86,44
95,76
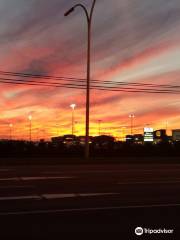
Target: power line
75,86
28,75
40,82
82,85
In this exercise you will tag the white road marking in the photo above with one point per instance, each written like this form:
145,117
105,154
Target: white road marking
96,194
20,197
16,186
146,182
52,172
95,171
35,212
9,179
145,171
35,178
74,195
45,178
56,196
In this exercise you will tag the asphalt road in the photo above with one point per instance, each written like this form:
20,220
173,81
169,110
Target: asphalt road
89,201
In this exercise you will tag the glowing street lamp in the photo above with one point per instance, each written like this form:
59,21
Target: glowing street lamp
131,116
30,127
89,20
73,107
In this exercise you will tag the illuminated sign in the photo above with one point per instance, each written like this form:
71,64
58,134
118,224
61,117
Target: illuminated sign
148,134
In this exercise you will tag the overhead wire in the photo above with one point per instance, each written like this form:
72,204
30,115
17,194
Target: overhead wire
75,86
70,82
29,75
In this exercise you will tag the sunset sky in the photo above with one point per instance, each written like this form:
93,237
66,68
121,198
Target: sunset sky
132,41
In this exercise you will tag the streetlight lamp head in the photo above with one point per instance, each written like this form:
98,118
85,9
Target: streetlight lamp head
10,125
73,105
30,117
69,11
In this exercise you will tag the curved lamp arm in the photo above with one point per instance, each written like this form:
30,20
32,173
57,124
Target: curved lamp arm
73,8
88,16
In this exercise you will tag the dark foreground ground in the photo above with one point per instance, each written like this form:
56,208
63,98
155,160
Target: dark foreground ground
89,201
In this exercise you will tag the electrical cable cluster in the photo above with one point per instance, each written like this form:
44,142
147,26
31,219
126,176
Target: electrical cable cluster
42,80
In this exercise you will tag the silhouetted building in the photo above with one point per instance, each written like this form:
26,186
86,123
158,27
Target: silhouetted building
160,136
81,140
103,141
129,138
176,135
67,140
138,138
57,140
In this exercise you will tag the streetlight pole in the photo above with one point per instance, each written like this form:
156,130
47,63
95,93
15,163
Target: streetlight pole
73,107
166,126
131,117
10,129
99,122
123,133
30,127
89,20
